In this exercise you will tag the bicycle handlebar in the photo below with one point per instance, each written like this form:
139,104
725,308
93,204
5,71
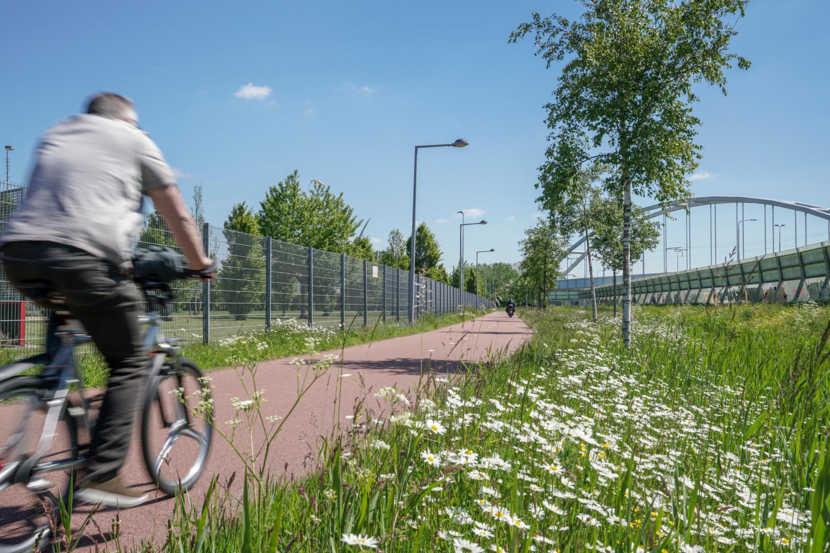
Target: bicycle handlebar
207,272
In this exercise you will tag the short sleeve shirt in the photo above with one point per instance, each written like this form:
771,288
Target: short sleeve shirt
86,187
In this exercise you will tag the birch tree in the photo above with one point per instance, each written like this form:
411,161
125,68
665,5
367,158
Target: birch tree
627,86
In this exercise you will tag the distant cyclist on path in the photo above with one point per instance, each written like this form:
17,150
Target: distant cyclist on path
74,230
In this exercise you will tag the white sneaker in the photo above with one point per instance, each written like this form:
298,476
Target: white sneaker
112,493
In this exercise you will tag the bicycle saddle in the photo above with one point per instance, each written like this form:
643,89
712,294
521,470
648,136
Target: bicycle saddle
43,293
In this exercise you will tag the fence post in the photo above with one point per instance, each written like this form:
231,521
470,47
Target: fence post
206,289
310,290
384,293
365,294
343,291
398,296
417,292
268,277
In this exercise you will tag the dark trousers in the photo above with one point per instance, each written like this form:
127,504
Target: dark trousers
105,303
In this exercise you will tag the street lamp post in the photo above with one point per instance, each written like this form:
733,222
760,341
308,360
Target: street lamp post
8,149
478,252
779,236
461,252
742,241
461,261
460,143
678,250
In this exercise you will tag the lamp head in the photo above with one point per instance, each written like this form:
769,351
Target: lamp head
483,222
9,148
460,143
492,249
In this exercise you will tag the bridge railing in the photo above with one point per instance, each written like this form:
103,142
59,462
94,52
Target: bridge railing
797,275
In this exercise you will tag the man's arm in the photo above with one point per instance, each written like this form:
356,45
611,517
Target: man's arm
159,183
169,204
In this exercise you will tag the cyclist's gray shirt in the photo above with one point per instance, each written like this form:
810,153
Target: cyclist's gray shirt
86,187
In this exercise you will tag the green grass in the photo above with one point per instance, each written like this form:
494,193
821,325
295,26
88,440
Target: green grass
710,434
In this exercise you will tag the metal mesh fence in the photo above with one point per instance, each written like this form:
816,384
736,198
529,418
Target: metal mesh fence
327,302
259,281
22,323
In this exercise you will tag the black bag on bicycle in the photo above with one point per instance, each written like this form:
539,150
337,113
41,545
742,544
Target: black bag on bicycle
156,264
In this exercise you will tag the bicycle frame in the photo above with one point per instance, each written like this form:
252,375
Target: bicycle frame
62,368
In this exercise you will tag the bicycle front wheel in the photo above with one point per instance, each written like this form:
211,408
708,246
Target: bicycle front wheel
175,441
28,510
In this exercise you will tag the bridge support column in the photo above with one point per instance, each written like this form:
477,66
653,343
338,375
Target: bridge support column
803,275
780,280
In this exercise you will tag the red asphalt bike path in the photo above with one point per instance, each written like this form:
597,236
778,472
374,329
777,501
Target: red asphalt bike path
400,362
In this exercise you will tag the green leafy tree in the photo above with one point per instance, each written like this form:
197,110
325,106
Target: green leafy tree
361,248
241,277
541,252
519,290
607,239
500,278
242,219
627,86
395,253
428,252
469,277
317,218
242,273
155,232
572,205
197,210
439,274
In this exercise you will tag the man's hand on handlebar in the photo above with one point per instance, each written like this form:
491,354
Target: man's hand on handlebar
205,266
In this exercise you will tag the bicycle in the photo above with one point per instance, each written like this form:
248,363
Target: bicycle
56,398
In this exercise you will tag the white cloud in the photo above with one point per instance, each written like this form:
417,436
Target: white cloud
272,103
511,218
309,111
442,221
181,175
472,212
251,91
354,87
538,215
702,175
375,240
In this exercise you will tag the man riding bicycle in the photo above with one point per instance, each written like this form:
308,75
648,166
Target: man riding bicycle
74,231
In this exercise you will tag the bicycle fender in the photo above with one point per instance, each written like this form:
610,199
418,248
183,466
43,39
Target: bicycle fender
17,367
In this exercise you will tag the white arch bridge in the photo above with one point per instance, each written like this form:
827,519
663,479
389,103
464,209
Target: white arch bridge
752,269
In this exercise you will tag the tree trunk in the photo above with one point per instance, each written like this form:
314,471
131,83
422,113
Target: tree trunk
591,274
614,295
626,310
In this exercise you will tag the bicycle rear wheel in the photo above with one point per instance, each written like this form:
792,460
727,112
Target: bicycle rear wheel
175,442
28,510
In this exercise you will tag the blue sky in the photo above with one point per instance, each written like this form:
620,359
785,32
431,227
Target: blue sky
342,91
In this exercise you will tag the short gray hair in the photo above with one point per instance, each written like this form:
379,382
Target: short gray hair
112,106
